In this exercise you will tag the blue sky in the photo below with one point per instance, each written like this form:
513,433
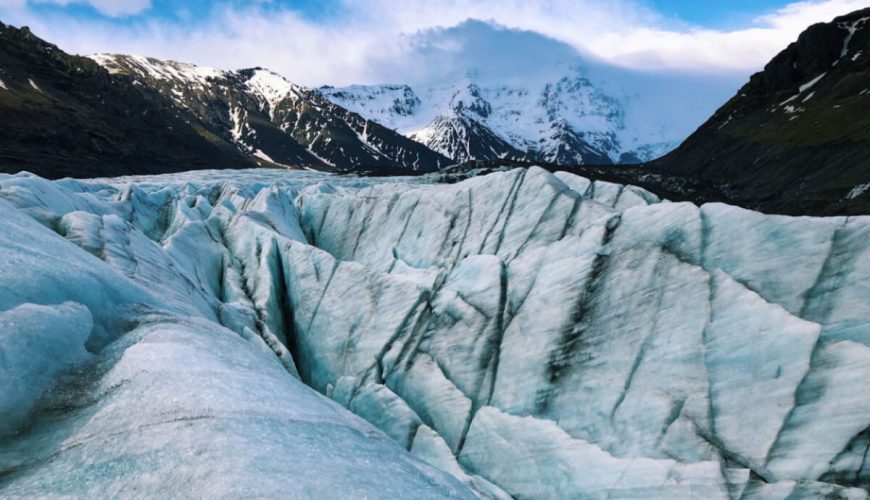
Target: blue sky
712,14
366,41
717,14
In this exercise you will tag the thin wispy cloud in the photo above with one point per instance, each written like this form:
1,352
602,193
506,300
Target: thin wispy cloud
111,8
362,37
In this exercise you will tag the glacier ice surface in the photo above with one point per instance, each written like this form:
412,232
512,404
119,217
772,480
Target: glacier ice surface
531,334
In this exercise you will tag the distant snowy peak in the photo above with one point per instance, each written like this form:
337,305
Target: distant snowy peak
275,120
469,99
379,102
566,119
462,139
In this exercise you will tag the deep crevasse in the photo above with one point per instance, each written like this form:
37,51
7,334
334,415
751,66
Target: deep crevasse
533,334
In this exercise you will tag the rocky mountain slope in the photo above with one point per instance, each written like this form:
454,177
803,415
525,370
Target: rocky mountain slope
563,118
534,334
796,137
68,116
64,115
268,117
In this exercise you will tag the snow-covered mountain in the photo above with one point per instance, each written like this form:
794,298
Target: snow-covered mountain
533,334
567,120
275,120
478,90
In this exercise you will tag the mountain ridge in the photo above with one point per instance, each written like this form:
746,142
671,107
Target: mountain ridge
65,115
73,116
796,137
269,117
565,120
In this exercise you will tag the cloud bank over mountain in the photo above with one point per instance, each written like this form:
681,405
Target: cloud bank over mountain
367,41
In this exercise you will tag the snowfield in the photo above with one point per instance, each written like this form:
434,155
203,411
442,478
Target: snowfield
530,334
558,118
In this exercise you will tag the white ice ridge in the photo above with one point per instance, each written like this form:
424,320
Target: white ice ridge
532,334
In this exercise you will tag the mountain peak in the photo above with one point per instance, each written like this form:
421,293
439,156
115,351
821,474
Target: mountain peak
158,69
565,119
270,86
468,99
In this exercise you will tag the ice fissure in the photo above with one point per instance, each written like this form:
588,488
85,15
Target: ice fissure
533,334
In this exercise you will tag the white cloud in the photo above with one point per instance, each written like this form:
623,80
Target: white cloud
622,32
366,36
112,8
738,50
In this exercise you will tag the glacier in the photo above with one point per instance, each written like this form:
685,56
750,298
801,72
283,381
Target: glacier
518,334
